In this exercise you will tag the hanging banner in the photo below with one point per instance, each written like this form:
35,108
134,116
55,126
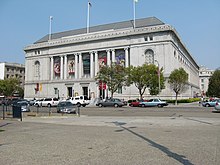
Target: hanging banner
57,66
71,65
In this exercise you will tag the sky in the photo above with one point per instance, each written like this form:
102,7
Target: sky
22,22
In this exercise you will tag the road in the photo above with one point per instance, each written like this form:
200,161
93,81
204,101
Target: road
170,135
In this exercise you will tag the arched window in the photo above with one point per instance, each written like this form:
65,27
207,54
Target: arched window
149,56
37,69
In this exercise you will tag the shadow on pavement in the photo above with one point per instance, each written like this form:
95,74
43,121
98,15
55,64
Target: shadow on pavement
180,158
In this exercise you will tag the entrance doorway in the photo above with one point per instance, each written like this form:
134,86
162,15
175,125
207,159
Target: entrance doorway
85,91
70,91
102,93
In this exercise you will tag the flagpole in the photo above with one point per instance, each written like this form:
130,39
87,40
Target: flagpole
50,28
134,12
88,14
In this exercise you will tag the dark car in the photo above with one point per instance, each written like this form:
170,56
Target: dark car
25,107
110,103
66,107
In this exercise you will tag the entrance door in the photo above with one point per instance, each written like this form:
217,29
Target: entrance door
85,91
70,91
102,94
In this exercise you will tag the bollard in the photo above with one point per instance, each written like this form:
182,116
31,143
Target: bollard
78,111
3,112
49,111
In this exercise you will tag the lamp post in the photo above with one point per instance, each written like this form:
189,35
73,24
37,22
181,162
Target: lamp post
158,76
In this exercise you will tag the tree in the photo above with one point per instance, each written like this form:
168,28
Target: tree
10,86
145,76
114,76
178,80
214,87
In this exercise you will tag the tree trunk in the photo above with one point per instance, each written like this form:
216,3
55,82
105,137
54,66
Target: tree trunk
176,99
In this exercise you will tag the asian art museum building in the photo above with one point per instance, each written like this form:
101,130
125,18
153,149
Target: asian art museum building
65,64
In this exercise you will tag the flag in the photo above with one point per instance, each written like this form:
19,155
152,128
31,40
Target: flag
135,0
51,17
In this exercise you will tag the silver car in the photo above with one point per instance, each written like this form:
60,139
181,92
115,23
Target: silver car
217,106
110,103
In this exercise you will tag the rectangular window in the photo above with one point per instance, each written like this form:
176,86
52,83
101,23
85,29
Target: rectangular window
120,90
202,80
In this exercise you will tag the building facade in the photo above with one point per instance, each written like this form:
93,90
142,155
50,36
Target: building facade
12,70
204,76
66,65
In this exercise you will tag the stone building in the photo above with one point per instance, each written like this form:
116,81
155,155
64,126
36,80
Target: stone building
12,70
204,76
67,64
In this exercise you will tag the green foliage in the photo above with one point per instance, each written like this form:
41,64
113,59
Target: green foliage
114,76
214,85
190,100
10,86
143,77
178,80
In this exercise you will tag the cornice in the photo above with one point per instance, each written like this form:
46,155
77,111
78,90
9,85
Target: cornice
98,36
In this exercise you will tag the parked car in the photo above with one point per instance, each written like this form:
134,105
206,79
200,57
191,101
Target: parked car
210,103
153,103
217,106
80,100
114,102
32,102
66,107
136,103
25,107
47,102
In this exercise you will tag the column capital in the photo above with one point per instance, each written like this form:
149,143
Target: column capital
126,48
113,50
108,50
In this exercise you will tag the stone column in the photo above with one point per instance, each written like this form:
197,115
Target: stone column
80,65
108,58
61,67
65,66
91,65
76,66
96,63
113,55
51,68
126,57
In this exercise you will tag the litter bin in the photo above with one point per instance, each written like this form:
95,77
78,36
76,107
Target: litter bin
17,112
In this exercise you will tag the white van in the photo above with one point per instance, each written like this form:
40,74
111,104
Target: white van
80,100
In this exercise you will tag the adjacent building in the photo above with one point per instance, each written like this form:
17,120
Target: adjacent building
65,64
12,70
204,76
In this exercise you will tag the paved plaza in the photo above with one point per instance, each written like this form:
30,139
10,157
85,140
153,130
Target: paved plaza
155,136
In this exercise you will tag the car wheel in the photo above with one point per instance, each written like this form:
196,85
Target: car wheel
159,106
207,105
131,105
100,105
116,105
49,105
142,105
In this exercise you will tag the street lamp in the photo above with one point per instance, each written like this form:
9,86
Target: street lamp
158,76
